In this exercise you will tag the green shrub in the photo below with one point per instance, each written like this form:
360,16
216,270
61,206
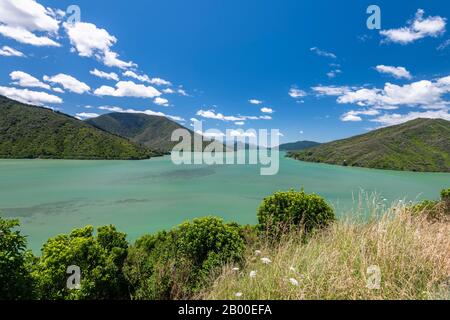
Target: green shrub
178,263
285,211
100,260
16,282
445,194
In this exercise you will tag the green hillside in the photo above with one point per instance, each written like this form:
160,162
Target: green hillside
154,132
297,146
28,132
417,145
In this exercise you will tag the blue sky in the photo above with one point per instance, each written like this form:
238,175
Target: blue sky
318,71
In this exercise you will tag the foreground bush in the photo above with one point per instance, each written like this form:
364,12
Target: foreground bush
434,210
100,260
177,264
16,282
287,211
411,253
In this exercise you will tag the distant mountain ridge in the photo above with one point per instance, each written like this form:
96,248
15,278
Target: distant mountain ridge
417,145
297,146
151,131
30,132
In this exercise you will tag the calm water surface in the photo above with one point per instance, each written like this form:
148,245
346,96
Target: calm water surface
55,196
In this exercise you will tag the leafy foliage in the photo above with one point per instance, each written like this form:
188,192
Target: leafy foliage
417,145
16,282
284,211
28,132
176,264
100,260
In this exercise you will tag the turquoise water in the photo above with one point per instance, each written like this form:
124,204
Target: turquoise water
55,196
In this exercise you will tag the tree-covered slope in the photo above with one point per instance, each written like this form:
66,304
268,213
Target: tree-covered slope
34,132
297,146
154,132
417,145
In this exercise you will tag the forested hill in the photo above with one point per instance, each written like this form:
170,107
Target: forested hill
417,145
35,132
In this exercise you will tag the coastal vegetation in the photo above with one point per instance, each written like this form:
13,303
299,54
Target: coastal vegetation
418,145
298,250
30,132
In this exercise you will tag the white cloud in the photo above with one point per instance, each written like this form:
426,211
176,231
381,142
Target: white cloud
146,78
333,73
296,93
68,83
331,90
255,101
89,40
323,53
105,75
416,29
10,52
29,97
161,101
241,133
128,89
168,91
240,123
23,79
182,92
211,114
20,19
444,45
87,115
267,110
59,90
111,59
355,115
148,112
396,72
24,36
395,118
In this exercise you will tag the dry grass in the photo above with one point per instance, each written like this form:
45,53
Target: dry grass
411,252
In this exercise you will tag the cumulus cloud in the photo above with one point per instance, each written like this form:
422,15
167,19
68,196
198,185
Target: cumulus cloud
128,89
323,53
211,114
355,115
29,97
69,83
22,19
148,112
255,101
10,52
24,79
396,72
161,101
105,75
89,40
267,110
396,118
87,115
416,29
146,78
296,93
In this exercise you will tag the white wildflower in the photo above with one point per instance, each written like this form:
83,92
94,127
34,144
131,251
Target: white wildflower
235,269
252,274
257,252
293,269
293,281
266,260
238,294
